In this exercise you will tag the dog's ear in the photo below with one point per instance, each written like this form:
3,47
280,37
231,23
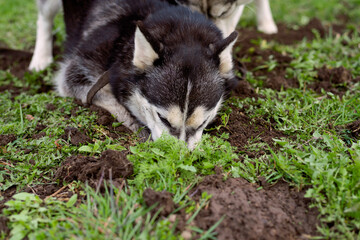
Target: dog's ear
223,49
144,48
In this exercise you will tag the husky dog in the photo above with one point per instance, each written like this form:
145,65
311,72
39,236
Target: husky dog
169,68
224,13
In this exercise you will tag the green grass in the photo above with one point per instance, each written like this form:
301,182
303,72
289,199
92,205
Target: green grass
299,12
316,154
18,24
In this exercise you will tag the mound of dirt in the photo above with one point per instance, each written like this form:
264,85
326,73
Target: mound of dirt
76,137
7,138
243,130
334,80
278,212
111,165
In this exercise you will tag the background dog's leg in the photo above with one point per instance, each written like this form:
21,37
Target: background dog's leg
42,57
228,24
264,17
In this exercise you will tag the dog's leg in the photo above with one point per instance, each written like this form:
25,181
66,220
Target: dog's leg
228,24
42,57
265,21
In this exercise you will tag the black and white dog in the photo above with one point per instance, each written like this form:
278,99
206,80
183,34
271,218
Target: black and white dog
167,67
224,13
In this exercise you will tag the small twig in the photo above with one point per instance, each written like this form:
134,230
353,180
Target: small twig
58,191
34,192
356,129
7,164
191,195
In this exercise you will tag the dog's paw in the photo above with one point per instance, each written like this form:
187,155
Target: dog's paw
40,63
268,27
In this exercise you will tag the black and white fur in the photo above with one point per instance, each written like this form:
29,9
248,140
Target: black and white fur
169,68
224,13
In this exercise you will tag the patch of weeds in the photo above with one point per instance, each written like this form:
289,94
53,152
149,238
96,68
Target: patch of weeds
269,65
100,146
333,172
169,158
301,113
28,214
115,214
29,159
330,51
299,13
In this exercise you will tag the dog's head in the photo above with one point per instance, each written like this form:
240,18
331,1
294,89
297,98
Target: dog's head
181,74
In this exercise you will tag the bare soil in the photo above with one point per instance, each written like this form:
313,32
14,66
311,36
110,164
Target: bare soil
244,130
274,212
16,61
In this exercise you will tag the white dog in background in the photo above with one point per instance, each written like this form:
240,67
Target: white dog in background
224,13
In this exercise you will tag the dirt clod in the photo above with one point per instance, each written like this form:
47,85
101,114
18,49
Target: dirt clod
279,212
40,127
50,107
111,165
105,120
76,137
6,138
38,135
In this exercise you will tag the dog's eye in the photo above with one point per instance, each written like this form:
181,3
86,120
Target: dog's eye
201,125
164,121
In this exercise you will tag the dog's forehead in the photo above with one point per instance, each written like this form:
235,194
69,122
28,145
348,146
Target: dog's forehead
179,119
197,117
